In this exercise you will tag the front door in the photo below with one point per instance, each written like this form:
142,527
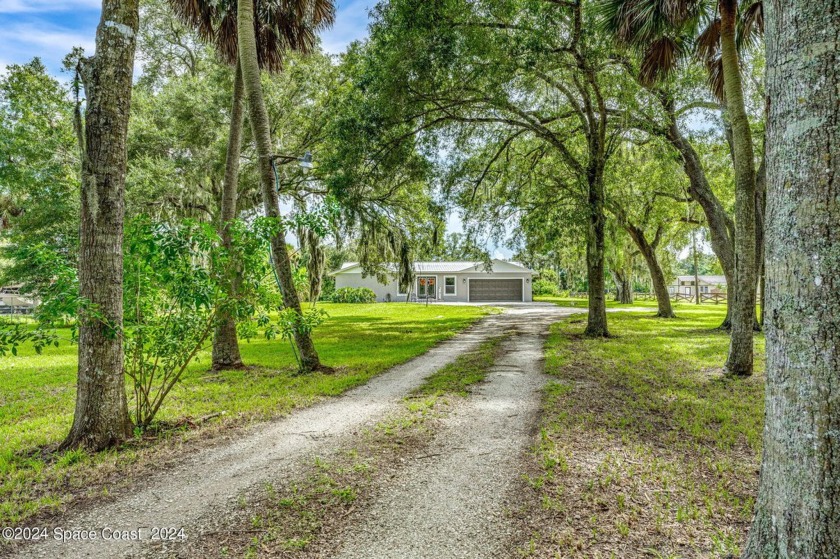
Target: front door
426,287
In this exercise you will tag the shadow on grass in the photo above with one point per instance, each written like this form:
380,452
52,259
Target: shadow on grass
646,449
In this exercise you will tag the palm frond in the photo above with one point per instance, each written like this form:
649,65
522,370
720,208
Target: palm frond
708,42
639,22
659,59
280,26
714,67
750,26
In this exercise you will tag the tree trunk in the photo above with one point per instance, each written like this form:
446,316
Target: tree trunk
262,137
760,211
798,505
225,342
623,287
657,277
742,301
595,249
101,416
721,227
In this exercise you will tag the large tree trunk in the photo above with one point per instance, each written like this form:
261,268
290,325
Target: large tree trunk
595,250
262,137
101,416
225,342
798,506
742,301
657,277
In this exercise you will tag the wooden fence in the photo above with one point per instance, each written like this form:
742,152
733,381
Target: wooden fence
713,298
716,298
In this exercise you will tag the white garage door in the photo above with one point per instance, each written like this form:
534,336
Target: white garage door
495,290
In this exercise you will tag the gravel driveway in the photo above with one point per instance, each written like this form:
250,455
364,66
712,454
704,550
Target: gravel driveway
209,482
454,503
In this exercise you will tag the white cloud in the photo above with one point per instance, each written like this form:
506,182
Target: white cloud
24,41
30,6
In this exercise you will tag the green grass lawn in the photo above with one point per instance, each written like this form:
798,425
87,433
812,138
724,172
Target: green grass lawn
647,449
584,303
37,392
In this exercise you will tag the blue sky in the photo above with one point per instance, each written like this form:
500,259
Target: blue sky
50,28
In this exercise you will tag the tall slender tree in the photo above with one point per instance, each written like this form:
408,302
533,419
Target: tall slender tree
798,507
101,416
226,353
278,28
248,53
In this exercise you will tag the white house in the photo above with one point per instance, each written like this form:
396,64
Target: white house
448,281
709,285
12,302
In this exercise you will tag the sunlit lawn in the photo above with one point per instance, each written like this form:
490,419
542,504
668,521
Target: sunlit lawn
648,450
37,391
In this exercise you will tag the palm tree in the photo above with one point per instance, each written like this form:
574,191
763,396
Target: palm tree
280,26
667,30
249,29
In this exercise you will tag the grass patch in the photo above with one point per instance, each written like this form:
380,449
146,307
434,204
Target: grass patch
584,303
646,449
468,369
37,394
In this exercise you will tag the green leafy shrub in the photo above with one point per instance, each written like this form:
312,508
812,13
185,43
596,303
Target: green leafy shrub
327,288
175,286
545,287
354,295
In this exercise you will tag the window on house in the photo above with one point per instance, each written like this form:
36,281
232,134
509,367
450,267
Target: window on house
449,285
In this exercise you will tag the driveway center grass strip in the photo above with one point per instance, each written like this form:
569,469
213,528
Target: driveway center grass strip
646,449
465,371
37,394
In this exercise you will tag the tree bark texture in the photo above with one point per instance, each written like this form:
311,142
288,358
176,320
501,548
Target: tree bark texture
262,136
226,353
623,286
798,506
595,251
742,301
101,415
657,277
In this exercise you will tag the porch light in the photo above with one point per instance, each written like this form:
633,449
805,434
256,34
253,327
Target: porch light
464,280
305,162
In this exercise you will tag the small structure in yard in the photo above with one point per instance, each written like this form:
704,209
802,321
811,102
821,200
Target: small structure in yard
12,302
496,281
711,288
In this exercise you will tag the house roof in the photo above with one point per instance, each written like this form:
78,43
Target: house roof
712,280
450,267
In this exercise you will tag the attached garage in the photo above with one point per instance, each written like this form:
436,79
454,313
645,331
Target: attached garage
496,290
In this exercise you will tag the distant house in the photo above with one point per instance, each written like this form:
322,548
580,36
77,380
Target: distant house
708,285
448,281
12,302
